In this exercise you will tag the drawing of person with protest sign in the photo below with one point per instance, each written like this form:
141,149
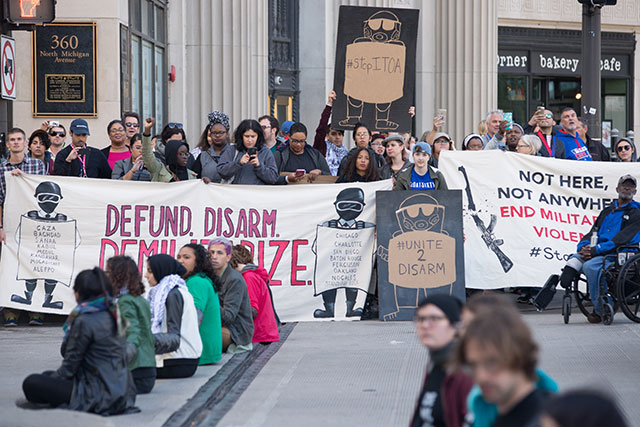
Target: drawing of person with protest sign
344,249
46,241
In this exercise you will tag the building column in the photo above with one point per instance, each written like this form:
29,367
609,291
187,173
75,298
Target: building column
220,51
466,72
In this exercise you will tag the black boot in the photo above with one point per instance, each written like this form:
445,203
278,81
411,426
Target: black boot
351,295
326,313
567,276
30,286
544,297
49,286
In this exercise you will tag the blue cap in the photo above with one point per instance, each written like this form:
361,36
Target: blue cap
79,127
286,126
422,147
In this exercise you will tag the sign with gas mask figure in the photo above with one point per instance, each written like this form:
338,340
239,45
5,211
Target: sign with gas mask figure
421,252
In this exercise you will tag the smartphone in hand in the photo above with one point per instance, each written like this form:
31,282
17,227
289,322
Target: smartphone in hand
508,117
300,172
252,151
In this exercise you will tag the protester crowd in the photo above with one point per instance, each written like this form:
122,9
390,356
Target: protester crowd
119,338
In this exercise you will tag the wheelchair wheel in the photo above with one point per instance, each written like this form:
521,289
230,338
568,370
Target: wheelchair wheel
607,314
628,289
566,308
582,298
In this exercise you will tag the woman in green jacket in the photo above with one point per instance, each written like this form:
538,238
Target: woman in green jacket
203,285
176,155
135,315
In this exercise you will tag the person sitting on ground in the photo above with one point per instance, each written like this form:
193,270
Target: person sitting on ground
299,156
625,150
174,320
442,401
528,144
485,412
441,142
498,349
505,139
118,150
265,327
204,285
176,157
396,156
328,141
617,225
359,167
237,321
38,147
362,138
78,158
472,142
132,168
135,313
420,175
544,125
213,142
582,408
249,161
598,151
93,376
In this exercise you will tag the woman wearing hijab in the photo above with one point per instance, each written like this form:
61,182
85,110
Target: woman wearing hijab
176,155
213,142
250,161
93,376
174,320
472,142
625,150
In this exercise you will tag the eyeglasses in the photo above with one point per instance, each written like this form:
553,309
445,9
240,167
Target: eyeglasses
131,125
217,132
361,134
265,127
548,115
429,319
522,146
442,141
183,154
117,130
623,148
297,141
175,125
136,147
62,134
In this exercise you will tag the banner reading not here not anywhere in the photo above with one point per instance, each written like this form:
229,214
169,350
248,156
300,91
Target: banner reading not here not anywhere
524,215
51,237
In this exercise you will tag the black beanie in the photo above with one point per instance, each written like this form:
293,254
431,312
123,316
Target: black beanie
450,306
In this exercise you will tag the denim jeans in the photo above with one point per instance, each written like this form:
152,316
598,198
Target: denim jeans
594,272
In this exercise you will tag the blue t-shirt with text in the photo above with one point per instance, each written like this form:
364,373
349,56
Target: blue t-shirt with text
421,182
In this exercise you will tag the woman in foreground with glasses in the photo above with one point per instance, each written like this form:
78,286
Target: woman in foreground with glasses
118,149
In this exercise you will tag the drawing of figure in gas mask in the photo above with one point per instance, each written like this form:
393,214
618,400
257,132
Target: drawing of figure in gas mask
46,246
344,259
386,52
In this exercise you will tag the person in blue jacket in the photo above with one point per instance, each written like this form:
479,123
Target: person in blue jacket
574,147
618,224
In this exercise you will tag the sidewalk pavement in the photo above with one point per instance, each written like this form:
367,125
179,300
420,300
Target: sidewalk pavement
369,373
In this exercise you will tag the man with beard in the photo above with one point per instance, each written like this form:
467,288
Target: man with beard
551,147
617,225
574,146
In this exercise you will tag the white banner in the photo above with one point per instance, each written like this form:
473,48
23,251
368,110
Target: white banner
54,238
526,214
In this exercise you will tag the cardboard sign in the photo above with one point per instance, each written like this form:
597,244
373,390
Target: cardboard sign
420,249
375,68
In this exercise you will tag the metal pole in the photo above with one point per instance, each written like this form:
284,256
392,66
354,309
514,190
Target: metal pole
591,100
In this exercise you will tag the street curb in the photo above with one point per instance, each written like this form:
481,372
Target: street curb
218,395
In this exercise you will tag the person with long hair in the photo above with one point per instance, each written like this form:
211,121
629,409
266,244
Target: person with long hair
136,319
118,149
441,142
38,147
359,167
362,137
395,155
250,161
203,284
174,320
93,376
176,158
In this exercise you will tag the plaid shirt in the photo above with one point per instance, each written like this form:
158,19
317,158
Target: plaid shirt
28,165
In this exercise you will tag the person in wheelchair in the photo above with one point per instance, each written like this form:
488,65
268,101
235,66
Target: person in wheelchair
617,225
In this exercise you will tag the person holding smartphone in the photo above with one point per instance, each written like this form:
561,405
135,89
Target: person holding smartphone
300,159
79,159
250,161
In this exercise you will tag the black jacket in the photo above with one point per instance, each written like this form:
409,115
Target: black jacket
379,162
97,164
95,359
282,157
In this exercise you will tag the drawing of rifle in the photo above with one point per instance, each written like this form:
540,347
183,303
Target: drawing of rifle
486,232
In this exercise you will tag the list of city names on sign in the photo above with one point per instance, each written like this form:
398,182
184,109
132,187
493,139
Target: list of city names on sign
64,70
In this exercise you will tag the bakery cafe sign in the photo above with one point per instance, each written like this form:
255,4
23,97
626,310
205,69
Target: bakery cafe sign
550,63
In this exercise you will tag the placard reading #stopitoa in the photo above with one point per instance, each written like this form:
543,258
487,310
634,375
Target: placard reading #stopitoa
420,249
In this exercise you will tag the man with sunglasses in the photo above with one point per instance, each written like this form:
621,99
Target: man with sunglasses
57,135
543,119
131,122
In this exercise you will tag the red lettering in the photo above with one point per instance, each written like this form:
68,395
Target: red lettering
294,263
124,221
139,218
282,245
103,250
112,213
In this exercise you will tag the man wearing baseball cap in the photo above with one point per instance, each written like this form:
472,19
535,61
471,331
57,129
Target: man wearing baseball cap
617,225
78,159
420,176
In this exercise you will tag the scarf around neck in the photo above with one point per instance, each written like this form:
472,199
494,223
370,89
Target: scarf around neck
95,305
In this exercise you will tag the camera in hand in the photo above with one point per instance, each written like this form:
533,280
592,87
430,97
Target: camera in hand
83,151
252,151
